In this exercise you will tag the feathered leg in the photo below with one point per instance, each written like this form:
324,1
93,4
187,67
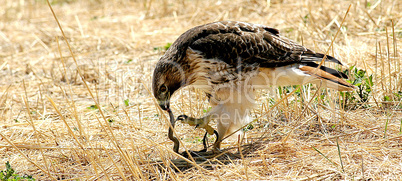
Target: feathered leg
201,123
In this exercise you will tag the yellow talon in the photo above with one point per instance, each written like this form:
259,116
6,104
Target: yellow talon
198,123
209,129
190,121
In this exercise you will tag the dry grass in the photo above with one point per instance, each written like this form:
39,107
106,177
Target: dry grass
49,130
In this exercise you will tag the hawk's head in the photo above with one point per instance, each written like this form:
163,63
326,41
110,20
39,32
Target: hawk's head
168,77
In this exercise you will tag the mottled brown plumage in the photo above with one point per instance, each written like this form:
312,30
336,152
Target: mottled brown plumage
228,60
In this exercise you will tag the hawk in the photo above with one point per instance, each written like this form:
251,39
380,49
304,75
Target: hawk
228,60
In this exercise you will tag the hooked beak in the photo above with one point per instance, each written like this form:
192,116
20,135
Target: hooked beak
165,105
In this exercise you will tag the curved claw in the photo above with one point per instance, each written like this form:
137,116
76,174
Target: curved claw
205,140
182,117
217,143
191,121
201,123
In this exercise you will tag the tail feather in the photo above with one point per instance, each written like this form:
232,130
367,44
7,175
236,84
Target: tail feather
332,81
329,70
317,57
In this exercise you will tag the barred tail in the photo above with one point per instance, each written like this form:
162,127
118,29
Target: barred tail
331,80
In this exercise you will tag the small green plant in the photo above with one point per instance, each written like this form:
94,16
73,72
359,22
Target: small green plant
167,46
197,140
324,155
368,5
271,101
248,127
163,48
398,97
56,2
364,84
386,127
289,89
394,98
339,153
400,128
207,110
126,102
305,18
93,107
387,98
10,175
289,30
128,61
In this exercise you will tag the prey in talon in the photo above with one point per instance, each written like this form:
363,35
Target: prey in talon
229,60
200,123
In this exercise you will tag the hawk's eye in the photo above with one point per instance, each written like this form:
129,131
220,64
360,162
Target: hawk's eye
163,88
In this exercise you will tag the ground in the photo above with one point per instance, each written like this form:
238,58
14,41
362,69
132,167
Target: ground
56,125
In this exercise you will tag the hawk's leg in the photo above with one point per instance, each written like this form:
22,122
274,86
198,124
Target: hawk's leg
205,140
201,123
202,152
217,145
197,122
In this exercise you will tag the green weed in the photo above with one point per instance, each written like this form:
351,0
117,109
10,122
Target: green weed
10,175
364,84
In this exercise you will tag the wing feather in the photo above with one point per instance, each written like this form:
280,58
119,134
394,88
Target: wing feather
239,44
231,41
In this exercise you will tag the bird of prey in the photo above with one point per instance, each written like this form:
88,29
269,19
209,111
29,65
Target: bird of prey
228,60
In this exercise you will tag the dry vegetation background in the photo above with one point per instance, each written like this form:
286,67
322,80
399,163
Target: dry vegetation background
116,44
